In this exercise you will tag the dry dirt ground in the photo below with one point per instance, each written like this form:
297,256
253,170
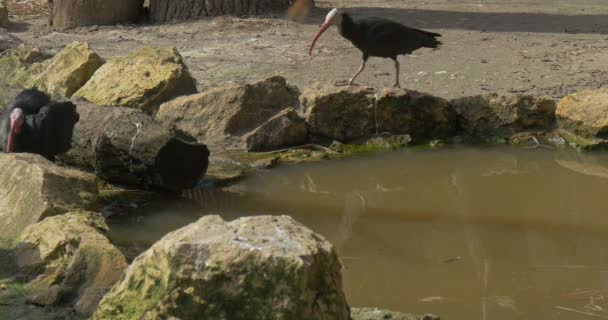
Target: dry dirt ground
525,46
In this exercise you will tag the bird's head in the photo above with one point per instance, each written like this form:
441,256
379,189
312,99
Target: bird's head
333,18
17,120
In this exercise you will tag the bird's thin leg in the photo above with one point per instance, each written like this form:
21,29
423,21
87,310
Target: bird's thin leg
397,73
350,82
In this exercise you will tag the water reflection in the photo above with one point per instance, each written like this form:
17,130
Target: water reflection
463,233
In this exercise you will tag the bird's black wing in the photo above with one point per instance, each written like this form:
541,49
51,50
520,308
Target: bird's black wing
397,38
52,128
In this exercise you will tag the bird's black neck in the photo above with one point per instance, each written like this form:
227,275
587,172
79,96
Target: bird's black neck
349,27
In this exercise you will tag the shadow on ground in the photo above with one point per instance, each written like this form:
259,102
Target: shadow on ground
480,21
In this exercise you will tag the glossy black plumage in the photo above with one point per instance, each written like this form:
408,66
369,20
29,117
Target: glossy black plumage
379,37
47,128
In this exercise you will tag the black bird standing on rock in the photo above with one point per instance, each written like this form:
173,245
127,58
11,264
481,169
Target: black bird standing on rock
378,37
33,123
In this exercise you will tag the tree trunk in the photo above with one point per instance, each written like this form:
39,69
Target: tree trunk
177,10
125,146
74,13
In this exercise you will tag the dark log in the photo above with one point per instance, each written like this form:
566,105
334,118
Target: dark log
179,10
74,13
127,147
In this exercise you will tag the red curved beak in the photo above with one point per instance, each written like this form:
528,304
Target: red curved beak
15,129
323,28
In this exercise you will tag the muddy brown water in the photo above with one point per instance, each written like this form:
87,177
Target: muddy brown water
500,233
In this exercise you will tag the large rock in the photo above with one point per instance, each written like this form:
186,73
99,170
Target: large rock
285,129
584,116
69,260
4,23
221,116
251,268
126,146
422,116
7,40
69,70
20,65
492,115
143,79
33,188
342,114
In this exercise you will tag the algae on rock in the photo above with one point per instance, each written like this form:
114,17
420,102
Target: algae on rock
33,188
583,118
69,70
261,267
69,260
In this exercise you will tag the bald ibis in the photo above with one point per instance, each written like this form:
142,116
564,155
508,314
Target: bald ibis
35,124
378,37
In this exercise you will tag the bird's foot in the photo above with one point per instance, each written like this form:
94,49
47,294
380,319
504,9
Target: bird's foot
351,83
341,83
397,85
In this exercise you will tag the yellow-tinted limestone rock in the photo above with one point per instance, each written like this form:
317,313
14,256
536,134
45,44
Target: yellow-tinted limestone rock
143,79
69,70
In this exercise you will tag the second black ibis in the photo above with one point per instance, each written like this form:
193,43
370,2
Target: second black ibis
378,37
35,124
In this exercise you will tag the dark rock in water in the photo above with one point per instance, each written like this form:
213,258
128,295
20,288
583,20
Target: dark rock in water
285,129
422,116
125,146
343,114
583,118
264,267
33,188
221,117
379,314
68,260
486,117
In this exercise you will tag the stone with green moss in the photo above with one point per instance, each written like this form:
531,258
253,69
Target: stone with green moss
17,69
33,188
252,268
486,118
143,79
69,260
67,71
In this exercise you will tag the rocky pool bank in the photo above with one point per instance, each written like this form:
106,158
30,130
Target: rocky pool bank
143,125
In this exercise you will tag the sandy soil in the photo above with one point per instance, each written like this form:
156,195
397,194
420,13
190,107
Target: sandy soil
523,46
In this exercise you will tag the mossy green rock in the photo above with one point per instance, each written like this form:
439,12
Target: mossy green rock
342,114
423,116
143,79
583,118
491,116
261,267
69,70
70,261
18,67
33,188
379,314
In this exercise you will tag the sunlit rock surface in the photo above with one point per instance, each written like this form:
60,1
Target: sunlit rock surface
69,261
143,79
221,117
33,188
262,267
